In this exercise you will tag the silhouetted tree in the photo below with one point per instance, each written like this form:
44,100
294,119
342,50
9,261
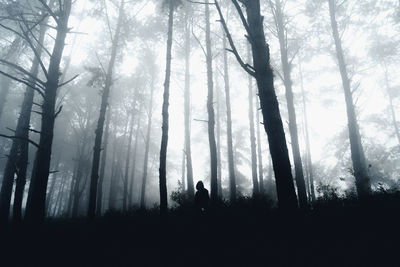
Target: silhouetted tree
263,73
103,109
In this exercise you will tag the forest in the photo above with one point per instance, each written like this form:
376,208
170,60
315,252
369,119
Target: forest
199,132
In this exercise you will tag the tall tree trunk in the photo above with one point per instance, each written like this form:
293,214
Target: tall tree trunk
256,189
17,161
99,200
231,164
308,146
210,108
165,117
298,166
363,183
113,178
269,105
103,109
127,163
77,183
218,121
147,148
36,202
188,148
135,155
259,152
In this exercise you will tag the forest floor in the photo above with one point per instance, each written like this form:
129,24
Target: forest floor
336,232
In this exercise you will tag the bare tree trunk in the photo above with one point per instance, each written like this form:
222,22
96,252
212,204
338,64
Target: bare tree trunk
308,146
100,124
298,166
256,189
147,148
219,165
77,184
36,202
231,164
135,156
128,161
210,108
59,195
113,178
165,116
99,200
363,183
188,148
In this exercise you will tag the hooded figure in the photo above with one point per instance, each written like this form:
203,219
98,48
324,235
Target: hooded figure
201,198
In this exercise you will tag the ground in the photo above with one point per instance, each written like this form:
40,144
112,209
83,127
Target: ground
335,232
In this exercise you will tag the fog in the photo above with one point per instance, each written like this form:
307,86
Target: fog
368,33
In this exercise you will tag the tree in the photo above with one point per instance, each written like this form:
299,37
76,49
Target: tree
210,108
280,25
36,202
103,163
17,161
307,137
231,167
263,74
363,184
147,145
165,116
128,161
188,147
94,177
256,188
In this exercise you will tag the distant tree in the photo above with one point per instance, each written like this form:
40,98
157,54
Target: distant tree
151,64
187,114
5,82
307,137
231,167
383,51
363,184
256,189
210,107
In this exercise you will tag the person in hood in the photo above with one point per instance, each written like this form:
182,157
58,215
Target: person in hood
201,198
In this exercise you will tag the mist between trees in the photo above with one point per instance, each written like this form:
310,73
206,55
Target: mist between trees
120,105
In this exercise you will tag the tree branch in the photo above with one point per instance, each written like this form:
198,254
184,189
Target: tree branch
231,43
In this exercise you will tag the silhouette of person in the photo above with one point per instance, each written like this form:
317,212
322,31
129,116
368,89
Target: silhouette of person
201,198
